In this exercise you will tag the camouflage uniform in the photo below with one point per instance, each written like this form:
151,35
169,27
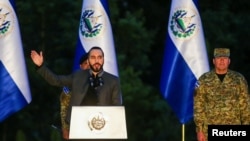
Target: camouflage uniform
217,102
64,101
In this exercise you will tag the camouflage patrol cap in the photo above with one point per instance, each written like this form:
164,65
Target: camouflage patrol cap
221,52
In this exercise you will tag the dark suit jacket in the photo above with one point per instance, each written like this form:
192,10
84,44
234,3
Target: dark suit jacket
108,95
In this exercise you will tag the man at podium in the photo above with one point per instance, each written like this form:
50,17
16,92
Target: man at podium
92,87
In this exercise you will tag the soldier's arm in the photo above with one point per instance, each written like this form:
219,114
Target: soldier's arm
244,103
199,109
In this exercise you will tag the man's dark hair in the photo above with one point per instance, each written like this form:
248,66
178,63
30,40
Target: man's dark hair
96,47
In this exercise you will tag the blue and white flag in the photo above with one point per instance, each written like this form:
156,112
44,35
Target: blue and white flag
185,58
95,30
14,85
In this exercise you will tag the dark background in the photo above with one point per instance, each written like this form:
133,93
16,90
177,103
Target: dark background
139,29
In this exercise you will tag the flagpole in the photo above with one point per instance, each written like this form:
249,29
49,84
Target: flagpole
183,132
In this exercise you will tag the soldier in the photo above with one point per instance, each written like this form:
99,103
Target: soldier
221,97
65,98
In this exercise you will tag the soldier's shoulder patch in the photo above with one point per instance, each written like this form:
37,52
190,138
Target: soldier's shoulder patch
197,84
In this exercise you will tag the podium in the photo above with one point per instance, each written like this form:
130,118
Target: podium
98,122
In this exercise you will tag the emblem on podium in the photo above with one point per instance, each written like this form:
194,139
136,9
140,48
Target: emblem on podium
97,122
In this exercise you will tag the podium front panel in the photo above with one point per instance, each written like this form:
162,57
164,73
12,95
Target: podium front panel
98,122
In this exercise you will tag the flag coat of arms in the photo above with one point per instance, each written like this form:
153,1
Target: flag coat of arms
95,30
185,58
14,85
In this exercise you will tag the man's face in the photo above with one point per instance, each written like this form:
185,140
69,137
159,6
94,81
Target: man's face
96,60
221,63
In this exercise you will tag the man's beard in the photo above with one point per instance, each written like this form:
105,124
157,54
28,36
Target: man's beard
96,69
